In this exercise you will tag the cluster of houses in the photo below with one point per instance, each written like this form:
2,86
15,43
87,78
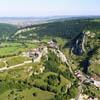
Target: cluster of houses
79,75
87,79
36,53
95,82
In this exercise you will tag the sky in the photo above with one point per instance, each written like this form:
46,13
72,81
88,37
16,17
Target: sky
42,8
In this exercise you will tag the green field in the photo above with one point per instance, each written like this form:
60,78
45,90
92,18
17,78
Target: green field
16,60
9,48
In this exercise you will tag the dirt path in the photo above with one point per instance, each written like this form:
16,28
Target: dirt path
63,58
11,67
79,91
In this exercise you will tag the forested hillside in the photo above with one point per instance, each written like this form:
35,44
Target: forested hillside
6,30
65,29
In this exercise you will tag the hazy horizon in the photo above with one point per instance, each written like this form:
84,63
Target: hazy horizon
59,16
38,8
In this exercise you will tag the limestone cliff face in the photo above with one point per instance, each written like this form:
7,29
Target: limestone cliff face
78,44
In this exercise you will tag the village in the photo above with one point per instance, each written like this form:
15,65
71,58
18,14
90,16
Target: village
35,55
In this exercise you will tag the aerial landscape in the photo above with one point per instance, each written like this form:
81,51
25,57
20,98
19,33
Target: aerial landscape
52,54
